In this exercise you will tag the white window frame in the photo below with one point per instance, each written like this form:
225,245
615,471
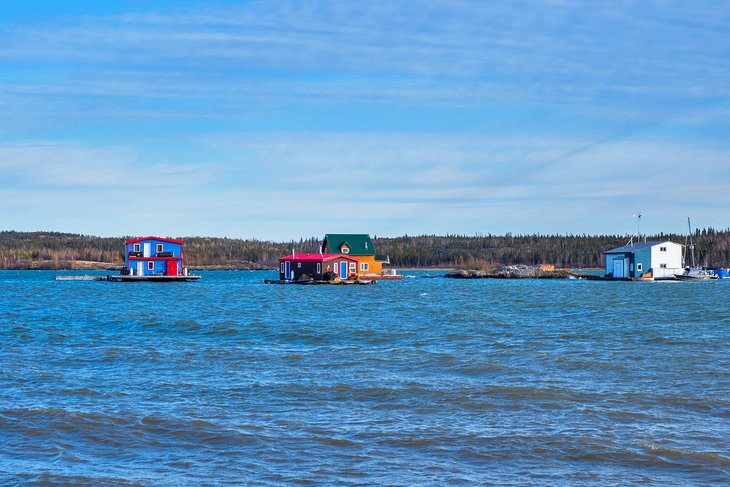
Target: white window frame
353,267
345,250
364,266
663,266
639,267
319,268
159,247
299,265
150,265
282,267
137,248
662,249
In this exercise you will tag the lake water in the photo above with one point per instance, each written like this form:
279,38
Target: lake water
423,381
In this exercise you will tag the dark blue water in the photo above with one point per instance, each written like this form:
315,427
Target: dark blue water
423,381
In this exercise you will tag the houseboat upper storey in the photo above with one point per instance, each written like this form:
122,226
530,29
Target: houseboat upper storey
360,246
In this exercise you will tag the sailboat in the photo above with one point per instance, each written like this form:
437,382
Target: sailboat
694,272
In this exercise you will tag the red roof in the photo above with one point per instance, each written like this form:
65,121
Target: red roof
141,239
315,257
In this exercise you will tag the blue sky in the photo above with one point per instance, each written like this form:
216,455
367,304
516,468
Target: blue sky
288,119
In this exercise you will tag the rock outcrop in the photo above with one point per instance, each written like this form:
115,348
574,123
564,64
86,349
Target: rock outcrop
511,272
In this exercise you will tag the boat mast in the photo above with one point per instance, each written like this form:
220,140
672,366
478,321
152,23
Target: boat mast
691,245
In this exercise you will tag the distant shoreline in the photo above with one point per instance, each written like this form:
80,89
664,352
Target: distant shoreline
112,267
62,251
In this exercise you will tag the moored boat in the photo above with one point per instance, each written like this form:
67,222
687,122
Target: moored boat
694,272
697,274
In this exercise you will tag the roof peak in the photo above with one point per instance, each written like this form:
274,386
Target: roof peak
152,237
357,243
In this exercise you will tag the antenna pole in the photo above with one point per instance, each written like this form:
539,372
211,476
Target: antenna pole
637,215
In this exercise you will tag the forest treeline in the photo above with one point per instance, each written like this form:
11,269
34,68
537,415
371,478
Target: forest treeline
50,250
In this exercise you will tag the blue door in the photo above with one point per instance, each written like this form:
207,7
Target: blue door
343,270
618,268
287,270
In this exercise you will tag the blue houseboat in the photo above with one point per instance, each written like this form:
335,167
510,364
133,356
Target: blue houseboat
153,259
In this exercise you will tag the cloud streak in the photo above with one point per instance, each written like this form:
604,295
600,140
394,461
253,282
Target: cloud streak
72,166
457,116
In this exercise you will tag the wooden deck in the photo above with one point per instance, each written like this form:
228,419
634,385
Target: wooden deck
124,278
382,277
312,282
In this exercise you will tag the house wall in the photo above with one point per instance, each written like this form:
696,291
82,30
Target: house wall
373,266
308,268
625,260
639,262
671,258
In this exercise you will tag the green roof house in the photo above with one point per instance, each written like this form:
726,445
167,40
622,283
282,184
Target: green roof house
358,245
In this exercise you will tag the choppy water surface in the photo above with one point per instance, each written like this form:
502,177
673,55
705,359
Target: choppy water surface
424,381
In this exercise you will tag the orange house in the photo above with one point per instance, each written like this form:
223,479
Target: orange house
357,245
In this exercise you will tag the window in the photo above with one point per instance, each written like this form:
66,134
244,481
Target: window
158,248
150,266
663,266
353,267
282,267
366,245
319,268
662,249
137,248
345,250
639,266
299,265
364,266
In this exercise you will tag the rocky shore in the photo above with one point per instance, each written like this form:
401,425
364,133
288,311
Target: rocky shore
511,272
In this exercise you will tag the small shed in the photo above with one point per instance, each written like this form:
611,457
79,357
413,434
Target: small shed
320,267
662,259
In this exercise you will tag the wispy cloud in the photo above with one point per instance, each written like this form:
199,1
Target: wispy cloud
74,166
544,50
444,116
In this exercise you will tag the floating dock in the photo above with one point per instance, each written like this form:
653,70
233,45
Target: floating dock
123,278
382,277
143,278
312,282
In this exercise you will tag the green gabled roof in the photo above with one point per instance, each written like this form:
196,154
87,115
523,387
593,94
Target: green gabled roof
359,243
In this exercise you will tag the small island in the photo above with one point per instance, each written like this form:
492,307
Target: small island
519,271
